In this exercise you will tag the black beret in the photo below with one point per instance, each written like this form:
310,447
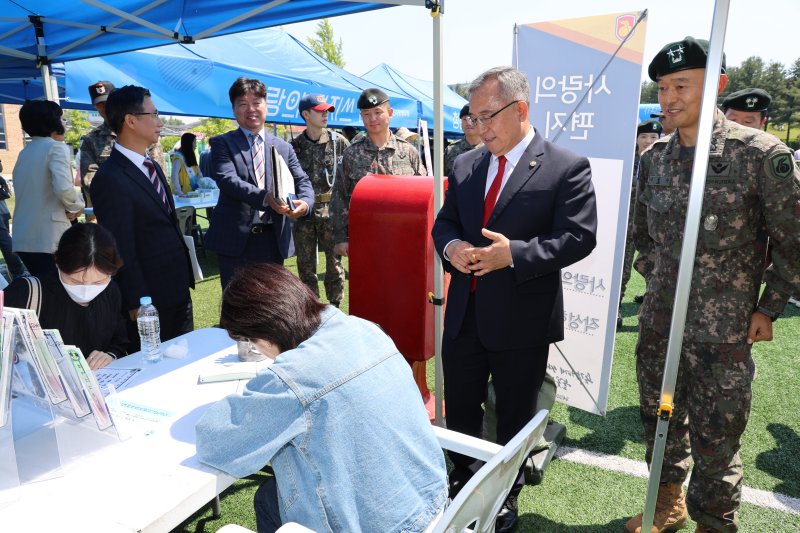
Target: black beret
748,100
372,98
683,55
464,111
650,126
98,92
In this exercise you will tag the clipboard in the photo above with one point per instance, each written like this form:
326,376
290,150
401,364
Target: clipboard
282,180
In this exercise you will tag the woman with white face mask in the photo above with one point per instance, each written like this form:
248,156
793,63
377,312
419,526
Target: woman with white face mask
80,299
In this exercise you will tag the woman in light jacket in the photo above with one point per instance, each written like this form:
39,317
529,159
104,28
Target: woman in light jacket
185,172
337,414
46,199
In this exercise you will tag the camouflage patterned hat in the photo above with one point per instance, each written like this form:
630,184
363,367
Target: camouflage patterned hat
748,100
650,126
683,55
98,92
372,98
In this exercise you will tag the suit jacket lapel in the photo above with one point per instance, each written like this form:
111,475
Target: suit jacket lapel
477,190
244,148
527,166
138,177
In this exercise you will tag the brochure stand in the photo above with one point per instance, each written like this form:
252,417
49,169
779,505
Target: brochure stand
54,415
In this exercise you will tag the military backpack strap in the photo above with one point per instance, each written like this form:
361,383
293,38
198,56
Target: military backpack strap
34,294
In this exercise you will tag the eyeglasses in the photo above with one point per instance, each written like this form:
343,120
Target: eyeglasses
153,114
486,120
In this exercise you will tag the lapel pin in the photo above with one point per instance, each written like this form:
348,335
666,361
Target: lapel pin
532,164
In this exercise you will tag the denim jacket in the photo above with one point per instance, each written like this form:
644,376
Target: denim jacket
342,422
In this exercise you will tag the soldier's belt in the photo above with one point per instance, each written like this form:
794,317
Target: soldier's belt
322,198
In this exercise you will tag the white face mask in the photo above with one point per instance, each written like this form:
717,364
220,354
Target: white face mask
83,294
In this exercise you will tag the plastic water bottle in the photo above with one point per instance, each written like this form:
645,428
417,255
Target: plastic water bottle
149,330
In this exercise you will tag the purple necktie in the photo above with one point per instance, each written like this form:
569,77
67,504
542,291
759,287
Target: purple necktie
151,173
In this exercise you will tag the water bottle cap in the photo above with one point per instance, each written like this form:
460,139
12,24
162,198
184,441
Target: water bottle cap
145,300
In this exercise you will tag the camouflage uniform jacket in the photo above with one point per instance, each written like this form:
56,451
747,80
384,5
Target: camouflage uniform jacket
316,158
96,146
362,157
752,191
455,150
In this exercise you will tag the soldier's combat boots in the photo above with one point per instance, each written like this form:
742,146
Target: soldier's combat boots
670,515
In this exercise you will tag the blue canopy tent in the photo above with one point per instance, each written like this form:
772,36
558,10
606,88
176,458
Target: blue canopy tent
645,110
194,79
422,91
38,32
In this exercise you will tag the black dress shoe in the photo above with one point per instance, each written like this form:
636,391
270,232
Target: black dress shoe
639,299
507,517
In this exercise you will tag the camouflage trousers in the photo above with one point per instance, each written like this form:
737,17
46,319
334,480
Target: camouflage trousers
307,234
711,408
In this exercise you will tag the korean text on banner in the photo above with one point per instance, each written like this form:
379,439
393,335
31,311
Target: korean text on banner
584,97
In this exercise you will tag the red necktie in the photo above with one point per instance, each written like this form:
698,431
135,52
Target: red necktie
151,173
494,190
491,199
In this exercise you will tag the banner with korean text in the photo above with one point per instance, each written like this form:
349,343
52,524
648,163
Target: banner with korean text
585,80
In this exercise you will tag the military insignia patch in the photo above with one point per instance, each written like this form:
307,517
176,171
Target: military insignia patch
780,166
719,168
676,55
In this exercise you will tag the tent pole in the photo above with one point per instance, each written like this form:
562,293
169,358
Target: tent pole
46,85
706,125
438,193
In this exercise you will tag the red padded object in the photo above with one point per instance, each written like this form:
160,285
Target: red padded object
391,259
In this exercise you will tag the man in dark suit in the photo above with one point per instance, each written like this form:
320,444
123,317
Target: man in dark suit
516,212
248,225
132,200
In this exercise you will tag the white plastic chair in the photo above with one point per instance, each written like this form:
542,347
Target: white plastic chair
477,504
475,508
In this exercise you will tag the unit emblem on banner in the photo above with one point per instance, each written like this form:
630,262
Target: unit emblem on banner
624,26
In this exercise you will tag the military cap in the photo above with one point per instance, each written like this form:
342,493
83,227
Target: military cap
406,134
748,100
316,102
650,126
372,98
464,111
682,55
98,92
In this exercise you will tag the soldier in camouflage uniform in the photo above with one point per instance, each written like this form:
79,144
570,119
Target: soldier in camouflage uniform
752,191
470,141
377,152
96,145
319,151
647,133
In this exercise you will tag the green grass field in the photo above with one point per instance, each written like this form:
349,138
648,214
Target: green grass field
579,498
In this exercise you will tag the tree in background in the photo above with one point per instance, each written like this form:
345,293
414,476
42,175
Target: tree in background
214,126
77,126
461,89
648,93
325,45
172,121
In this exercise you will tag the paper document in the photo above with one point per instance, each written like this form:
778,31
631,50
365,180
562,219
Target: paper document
282,180
233,371
119,377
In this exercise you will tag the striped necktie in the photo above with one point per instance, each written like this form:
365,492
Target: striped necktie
151,173
257,151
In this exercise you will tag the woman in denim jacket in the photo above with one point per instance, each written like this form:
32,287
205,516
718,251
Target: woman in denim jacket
337,414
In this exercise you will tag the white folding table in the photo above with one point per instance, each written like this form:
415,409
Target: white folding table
149,482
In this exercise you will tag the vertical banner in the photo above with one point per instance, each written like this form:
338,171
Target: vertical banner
585,97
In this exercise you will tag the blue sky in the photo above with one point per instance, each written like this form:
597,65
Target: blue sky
478,34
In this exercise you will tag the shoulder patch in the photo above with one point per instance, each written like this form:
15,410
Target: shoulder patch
780,165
